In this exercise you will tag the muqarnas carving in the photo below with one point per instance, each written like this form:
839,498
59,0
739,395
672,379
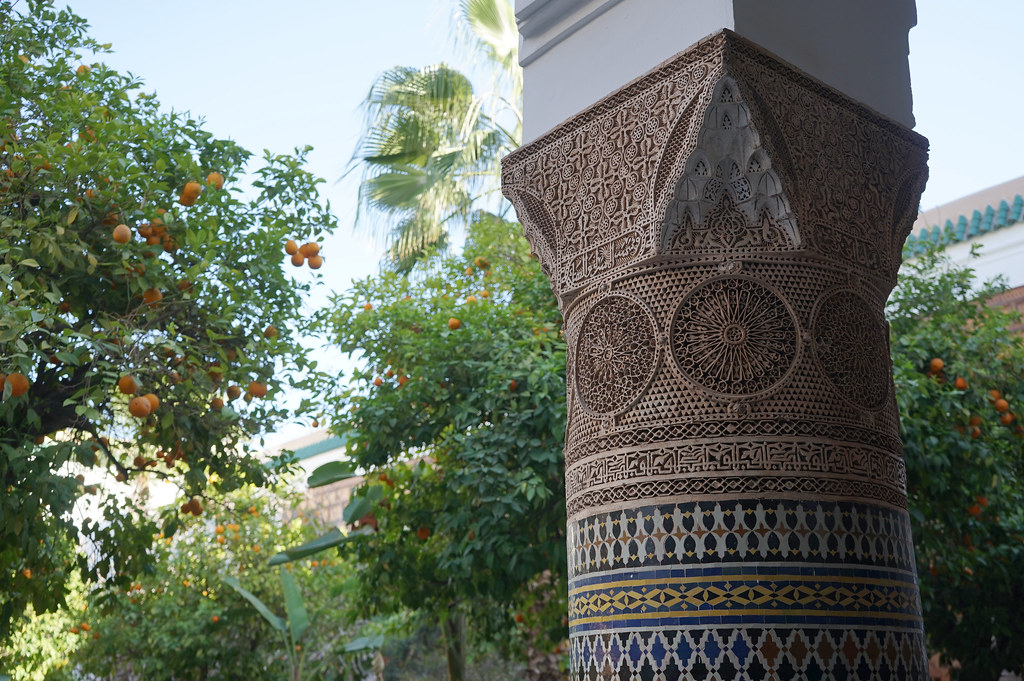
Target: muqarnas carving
721,235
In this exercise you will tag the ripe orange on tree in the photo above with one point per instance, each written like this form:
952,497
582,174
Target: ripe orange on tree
154,401
378,382
936,365
309,249
122,234
316,262
152,296
257,389
270,332
234,392
1001,405
368,307
298,259
423,533
190,193
290,247
960,383
216,404
454,323
19,384
140,407
215,179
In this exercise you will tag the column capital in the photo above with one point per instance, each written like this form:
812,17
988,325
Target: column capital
615,185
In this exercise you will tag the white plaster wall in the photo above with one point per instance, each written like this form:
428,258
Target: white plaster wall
575,52
1002,254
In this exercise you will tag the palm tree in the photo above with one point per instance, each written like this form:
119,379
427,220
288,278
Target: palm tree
432,145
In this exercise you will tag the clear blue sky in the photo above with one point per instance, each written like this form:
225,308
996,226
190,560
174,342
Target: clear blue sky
278,75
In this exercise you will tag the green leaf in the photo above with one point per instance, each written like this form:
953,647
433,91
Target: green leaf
72,214
364,643
331,472
332,538
298,619
277,622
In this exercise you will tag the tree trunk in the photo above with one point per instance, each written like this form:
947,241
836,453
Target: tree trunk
454,631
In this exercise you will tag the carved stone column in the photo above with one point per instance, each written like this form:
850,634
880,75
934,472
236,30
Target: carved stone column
722,235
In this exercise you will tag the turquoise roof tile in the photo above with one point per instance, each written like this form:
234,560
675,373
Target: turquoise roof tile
981,221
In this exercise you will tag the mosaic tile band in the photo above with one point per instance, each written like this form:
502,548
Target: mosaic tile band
743,594
750,654
737,531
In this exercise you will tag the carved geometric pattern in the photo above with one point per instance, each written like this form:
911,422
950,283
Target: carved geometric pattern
616,355
736,487
752,653
734,336
719,429
851,343
748,457
701,533
728,197
778,594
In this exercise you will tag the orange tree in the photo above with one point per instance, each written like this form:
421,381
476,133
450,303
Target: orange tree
960,385
457,414
138,282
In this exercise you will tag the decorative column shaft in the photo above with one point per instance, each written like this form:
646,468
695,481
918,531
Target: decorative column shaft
722,235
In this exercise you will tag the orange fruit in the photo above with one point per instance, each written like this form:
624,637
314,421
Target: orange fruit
402,380
290,247
122,234
184,284
216,179
145,231
481,262
995,395
219,529
936,365
982,501
368,307
454,323
221,539
82,70
512,386
298,259
1001,405
309,249
19,384
975,421
423,533
216,404
519,618
975,431
960,383
377,382
469,271
1007,418
485,294
234,392
271,332
974,510
127,385
316,262
190,193
257,389
152,296
26,573
470,299
154,401
215,619
140,407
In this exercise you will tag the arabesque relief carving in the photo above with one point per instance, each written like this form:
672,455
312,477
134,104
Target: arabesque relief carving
722,235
